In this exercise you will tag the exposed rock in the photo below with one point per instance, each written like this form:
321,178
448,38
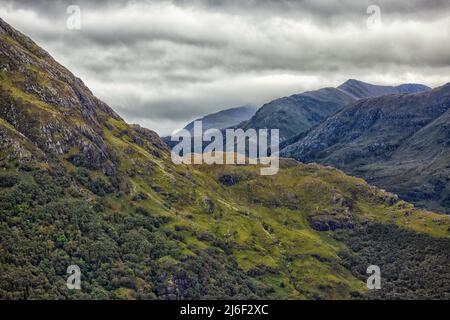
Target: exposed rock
327,222
230,179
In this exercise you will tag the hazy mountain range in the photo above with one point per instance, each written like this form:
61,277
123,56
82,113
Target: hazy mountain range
225,118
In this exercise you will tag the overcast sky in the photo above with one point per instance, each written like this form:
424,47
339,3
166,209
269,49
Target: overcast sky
163,63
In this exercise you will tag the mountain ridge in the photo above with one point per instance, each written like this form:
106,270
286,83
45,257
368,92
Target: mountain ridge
298,113
373,135
359,89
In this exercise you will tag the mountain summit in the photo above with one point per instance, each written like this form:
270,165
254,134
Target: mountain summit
359,90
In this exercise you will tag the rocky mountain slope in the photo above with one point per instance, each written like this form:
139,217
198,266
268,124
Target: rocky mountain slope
80,186
298,113
398,142
225,118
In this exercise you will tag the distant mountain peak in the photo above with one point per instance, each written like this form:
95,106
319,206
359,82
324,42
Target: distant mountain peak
359,89
225,118
353,81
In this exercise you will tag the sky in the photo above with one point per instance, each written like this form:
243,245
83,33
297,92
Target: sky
163,63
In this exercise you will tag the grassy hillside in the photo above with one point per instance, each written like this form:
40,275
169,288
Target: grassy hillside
178,232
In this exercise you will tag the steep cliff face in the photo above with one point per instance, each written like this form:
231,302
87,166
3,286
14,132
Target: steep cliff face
49,105
80,186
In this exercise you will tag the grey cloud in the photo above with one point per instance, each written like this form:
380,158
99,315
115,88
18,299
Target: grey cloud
328,11
318,9
164,63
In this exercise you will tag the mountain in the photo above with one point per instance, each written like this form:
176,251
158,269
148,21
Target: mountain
225,118
400,142
358,89
298,113
79,186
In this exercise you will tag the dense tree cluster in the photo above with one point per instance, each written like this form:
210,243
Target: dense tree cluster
413,265
47,223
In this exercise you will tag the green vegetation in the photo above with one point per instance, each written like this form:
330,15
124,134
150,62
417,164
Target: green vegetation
211,241
413,264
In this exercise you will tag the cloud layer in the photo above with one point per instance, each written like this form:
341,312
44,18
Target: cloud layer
161,63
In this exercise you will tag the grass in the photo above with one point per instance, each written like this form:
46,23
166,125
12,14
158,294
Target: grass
6,82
